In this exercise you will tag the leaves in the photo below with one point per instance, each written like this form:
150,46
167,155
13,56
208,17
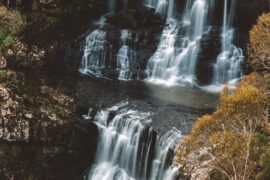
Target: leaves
228,139
259,46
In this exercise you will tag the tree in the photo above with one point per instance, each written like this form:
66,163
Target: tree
259,45
225,142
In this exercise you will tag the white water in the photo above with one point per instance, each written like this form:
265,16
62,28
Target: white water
125,3
228,66
175,60
161,167
125,57
176,65
112,5
125,145
163,7
95,53
151,3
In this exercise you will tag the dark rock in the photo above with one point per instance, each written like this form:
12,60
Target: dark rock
37,122
209,50
248,11
136,18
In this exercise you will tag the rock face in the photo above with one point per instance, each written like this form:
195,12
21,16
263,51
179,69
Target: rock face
248,11
209,49
41,118
13,127
137,18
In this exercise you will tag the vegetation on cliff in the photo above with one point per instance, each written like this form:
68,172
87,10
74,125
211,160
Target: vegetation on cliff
228,143
11,24
37,131
233,143
259,53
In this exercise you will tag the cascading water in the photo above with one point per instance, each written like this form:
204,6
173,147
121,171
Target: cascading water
95,53
163,7
175,60
112,5
126,147
98,54
228,67
174,65
151,3
125,57
162,168
126,3
98,50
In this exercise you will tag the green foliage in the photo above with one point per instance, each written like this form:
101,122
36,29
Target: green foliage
49,22
2,73
7,41
11,24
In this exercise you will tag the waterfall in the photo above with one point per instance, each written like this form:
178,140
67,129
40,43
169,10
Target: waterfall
113,3
126,145
98,54
163,7
172,64
161,167
176,56
95,53
228,66
151,3
112,6
125,3
125,57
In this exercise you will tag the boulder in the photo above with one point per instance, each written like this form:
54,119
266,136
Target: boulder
209,50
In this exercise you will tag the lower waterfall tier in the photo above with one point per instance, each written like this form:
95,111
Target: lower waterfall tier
129,149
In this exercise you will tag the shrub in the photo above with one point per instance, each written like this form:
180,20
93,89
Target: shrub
259,46
227,142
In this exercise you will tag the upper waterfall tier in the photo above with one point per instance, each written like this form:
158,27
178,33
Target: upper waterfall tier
166,45
228,66
175,63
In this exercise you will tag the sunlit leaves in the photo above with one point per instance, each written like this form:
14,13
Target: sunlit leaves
228,140
259,47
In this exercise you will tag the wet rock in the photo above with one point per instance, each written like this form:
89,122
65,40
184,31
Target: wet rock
136,18
250,9
209,50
